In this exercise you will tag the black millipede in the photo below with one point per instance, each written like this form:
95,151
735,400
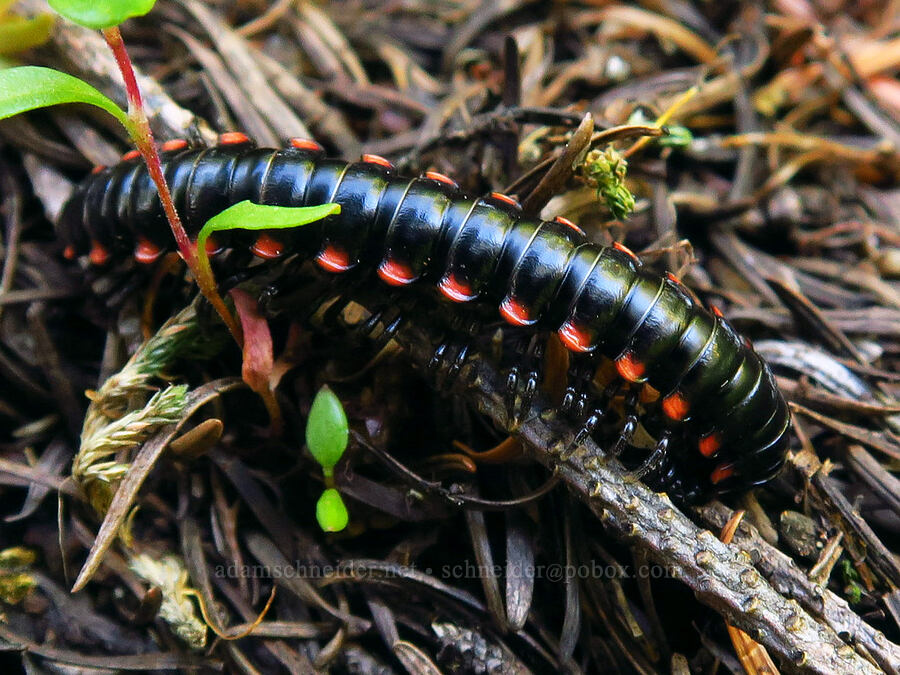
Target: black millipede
714,390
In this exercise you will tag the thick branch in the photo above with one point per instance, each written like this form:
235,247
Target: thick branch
788,579
722,576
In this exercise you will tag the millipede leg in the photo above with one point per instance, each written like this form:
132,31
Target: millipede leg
653,461
523,379
576,398
388,332
447,362
512,387
533,358
628,429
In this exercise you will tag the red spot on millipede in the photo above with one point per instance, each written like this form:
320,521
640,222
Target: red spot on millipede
630,368
99,255
441,178
506,198
395,273
515,312
675,406
709,444
675,280
233,138
718,312
267,247
568,223
455,290
69,252
98,168
721,472
174,144
306,144
131,154
146,251
333,259
624,249
574,338
377,159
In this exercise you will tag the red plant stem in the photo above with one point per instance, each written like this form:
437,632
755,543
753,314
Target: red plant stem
143,138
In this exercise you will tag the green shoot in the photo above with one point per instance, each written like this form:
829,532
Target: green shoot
106,15
852,589
676,136
327,433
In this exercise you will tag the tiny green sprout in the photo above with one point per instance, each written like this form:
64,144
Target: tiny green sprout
607,169
331,511
676,136
851,577
327,431
101,14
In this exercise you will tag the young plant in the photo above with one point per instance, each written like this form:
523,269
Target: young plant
327,434
27,88
105,16
23,89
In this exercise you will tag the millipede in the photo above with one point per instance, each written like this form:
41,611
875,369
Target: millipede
714,390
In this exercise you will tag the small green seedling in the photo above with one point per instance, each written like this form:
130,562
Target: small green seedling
327,433
676,136
852,589
29,89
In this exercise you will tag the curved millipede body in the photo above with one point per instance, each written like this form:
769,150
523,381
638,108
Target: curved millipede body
714,388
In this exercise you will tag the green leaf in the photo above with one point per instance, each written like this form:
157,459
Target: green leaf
101,13
246,215
331,511
18,33
326,429
29,87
